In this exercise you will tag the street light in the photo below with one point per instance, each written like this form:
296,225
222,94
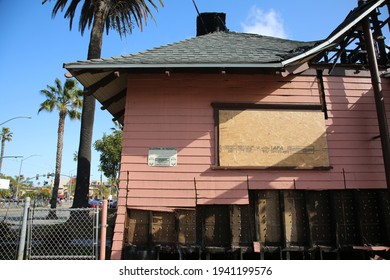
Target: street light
21,117
20,172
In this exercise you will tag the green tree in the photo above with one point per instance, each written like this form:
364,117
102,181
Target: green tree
110,148
5,193
67,100
98,15
6,135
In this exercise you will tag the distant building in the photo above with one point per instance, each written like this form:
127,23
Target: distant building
4,184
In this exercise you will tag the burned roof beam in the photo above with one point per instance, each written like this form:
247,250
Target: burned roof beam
101,83
113,99
379,38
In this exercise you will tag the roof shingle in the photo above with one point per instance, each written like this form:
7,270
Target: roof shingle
214,48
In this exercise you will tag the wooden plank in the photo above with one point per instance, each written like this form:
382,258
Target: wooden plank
368,211
351,107
180,144
222,194
178,135
365,176
160,202
222,201
360,160
161,193
162,119
138,228
367,152
319,212
353,137
345,114
352,121
295,218
320,185
186,227
163,228
373,130
384,213
241,226
168,127
269,218
366,184
351,98
346,227
361,167
216,225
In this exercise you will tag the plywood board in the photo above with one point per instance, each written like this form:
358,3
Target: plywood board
272,138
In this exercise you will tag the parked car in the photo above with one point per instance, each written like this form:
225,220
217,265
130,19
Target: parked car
95,203
112,203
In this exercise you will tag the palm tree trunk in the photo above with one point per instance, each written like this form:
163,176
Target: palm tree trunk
2,152
88,116
60,145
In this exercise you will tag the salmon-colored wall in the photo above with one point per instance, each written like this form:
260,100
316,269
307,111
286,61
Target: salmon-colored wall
175,111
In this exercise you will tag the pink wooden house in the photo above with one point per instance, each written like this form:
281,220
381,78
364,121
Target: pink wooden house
246,146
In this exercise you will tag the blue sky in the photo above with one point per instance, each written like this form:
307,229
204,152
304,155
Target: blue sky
34,46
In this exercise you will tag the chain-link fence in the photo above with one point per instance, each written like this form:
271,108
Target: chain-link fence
38,233
11,216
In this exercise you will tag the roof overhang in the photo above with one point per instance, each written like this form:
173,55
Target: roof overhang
76,67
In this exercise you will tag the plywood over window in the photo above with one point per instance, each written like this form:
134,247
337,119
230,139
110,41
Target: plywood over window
271,137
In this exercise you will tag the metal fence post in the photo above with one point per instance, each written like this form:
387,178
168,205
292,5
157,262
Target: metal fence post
22,241
96,237
103,231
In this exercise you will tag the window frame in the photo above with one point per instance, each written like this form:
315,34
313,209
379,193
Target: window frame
217,106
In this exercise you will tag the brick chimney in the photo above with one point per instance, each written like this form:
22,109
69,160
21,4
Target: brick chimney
210,22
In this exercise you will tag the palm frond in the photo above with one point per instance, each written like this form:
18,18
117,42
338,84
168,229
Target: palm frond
58,87
49,94
120,15
74,114
6,134
47,105
86,16
71,10
64,98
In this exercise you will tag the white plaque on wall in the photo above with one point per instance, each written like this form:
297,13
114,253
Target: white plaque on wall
162,156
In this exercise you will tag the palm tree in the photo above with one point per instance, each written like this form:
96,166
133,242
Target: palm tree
119,15
6,135
67,100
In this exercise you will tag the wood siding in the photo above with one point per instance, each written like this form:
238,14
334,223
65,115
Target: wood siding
176,111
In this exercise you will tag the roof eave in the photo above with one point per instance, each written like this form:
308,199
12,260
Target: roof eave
77,66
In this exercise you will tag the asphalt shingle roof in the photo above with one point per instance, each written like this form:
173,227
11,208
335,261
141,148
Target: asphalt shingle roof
215,48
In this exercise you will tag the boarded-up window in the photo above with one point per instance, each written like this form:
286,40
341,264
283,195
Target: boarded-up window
271,136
